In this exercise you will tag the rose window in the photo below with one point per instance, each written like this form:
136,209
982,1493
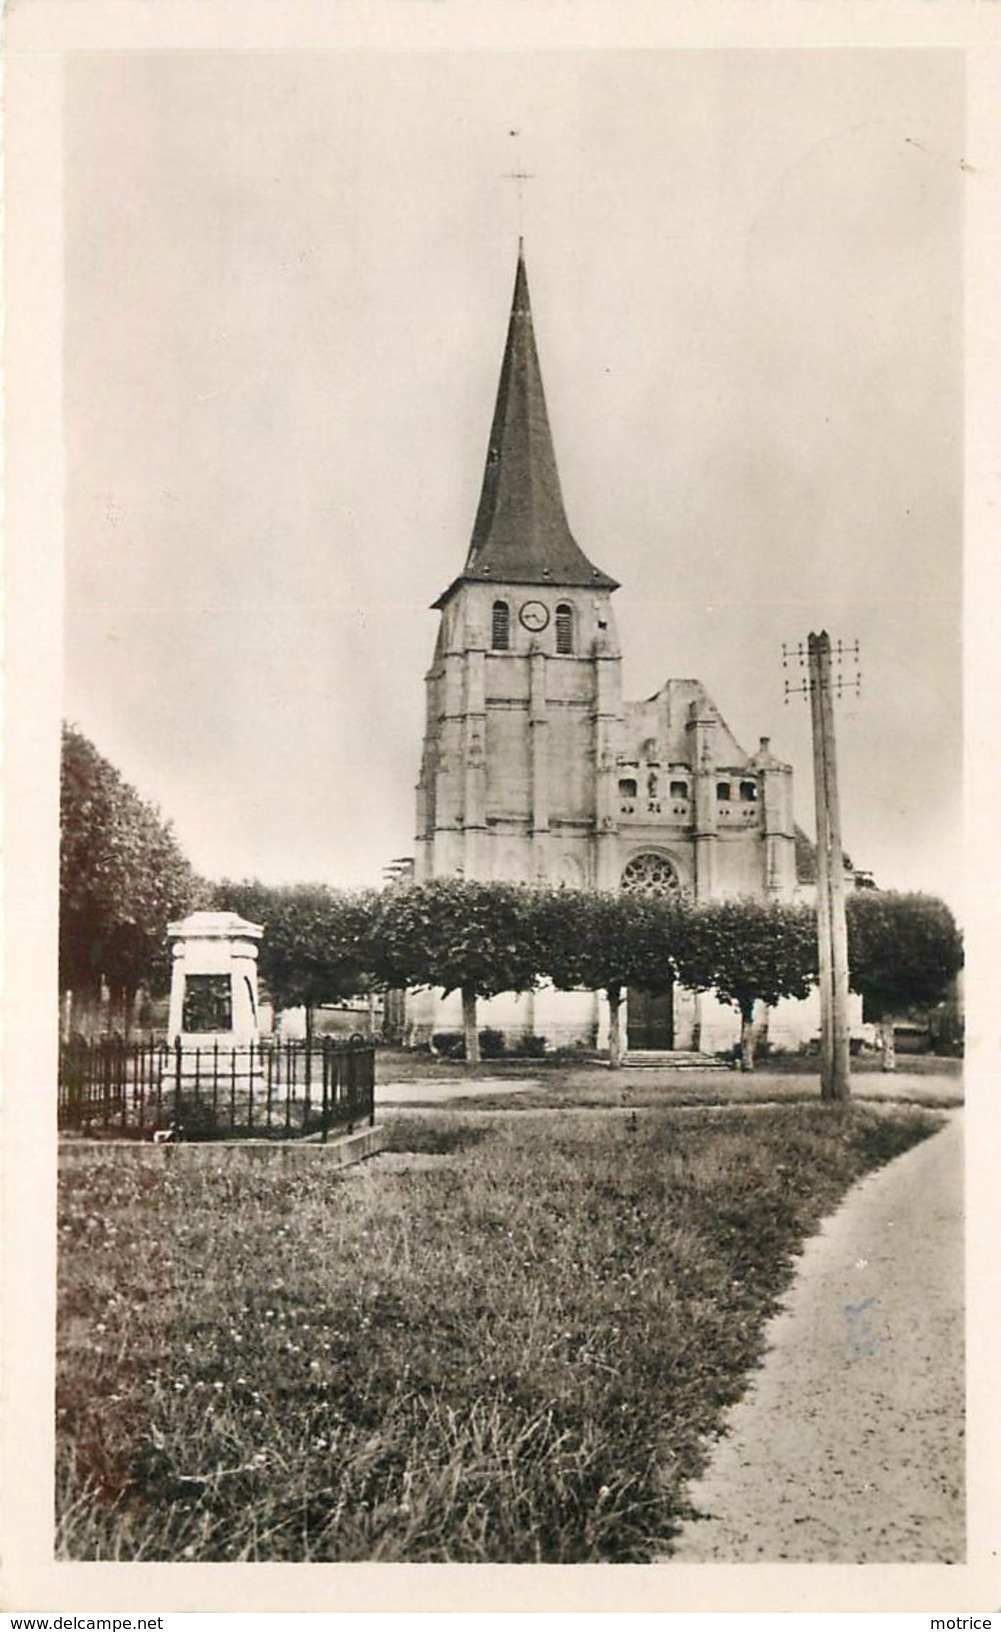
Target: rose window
649,875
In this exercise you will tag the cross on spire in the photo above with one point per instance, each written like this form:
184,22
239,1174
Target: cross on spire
519,176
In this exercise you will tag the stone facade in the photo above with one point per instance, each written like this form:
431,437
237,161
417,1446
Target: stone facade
536,768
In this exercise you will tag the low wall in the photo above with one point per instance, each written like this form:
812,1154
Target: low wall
339,1151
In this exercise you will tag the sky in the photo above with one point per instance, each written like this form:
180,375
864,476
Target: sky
287,285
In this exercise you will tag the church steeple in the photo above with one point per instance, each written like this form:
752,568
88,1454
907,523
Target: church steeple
521,534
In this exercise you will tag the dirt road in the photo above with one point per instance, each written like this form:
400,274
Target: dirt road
848,1447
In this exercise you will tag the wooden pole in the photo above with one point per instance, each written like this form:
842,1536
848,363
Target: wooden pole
840,1052
824,951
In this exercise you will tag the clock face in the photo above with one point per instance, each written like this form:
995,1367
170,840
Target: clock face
534,616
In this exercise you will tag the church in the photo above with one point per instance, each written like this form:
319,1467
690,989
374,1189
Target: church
536,769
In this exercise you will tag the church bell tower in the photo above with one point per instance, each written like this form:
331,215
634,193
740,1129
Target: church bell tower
518,772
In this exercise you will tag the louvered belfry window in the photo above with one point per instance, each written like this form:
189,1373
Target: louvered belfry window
500,627
564,629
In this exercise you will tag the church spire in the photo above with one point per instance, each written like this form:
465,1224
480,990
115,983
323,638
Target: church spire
521,534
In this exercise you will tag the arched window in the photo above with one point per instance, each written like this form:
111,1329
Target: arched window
749,792
723,792
500,627
679,790
649,874
564,629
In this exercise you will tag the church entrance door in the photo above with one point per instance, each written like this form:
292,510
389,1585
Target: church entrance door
650,1018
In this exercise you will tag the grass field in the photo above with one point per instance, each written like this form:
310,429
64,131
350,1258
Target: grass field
502,1341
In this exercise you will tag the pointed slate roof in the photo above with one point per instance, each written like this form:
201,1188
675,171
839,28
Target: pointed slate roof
521,534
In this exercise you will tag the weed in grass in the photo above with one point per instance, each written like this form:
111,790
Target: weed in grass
510,1357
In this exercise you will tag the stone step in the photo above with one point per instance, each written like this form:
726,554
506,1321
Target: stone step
650,1059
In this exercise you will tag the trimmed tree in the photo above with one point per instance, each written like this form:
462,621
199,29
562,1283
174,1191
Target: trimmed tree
903,951
122,877
459,935
606,942
315,945
750,952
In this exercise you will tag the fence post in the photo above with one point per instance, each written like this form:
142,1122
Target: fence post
178,1063
197,1092
130,1067
269,1091
326,1090
162,1056
72,1075
284,1082
139,1084
351,1076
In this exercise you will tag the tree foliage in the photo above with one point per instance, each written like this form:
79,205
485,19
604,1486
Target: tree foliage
315,944
122,877
482,938
460,935
903,951
607,941
750,951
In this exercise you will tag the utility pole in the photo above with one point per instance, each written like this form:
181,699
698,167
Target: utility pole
832,931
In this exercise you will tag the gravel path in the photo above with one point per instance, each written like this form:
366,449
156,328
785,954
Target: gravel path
848,1446
446,1090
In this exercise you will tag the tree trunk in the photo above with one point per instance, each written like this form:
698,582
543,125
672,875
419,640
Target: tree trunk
614,994
88,1012
747,1038
118,1001
470,1032
129,994
888,1042
104,1008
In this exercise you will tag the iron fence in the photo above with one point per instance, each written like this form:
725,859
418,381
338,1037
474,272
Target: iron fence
266,1090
